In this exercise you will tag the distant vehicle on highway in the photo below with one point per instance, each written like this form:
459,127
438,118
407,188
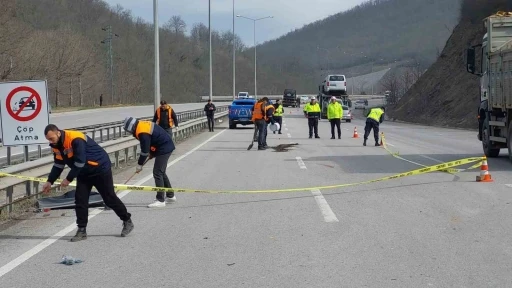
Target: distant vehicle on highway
347,114
304,99
334,85
290,98
243,95
240,112
359,104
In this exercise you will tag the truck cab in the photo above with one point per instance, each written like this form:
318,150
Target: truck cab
494,55
290,98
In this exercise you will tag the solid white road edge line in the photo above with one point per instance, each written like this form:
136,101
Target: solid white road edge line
39,247
301,163
326,210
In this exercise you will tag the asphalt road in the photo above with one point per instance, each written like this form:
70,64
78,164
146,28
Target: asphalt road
104,115
431,230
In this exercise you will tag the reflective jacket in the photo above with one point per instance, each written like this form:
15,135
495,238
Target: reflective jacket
82,155
165,117
334,111
376,114
269,112
279,110
153,139
258,111
312,110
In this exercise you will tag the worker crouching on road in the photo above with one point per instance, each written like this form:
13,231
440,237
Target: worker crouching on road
334,113
154,143
374,118
165,117
90,165
278,115
312,112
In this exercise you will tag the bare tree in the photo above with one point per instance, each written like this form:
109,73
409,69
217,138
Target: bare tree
391,82
176,24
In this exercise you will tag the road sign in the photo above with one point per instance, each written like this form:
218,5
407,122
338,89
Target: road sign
24,112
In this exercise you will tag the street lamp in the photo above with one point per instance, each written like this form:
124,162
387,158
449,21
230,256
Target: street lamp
108,40
157,55
254,20
234,57
210,42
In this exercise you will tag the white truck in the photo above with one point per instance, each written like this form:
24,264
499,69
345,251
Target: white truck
494,58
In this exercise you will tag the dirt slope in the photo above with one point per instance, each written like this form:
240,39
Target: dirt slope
446,95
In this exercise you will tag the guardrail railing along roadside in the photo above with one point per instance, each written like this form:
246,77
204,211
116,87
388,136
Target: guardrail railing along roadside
116,148
99,132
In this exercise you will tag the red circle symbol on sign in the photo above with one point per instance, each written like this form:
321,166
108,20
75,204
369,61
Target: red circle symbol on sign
29,101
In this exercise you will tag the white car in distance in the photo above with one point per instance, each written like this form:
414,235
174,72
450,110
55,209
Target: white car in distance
334,85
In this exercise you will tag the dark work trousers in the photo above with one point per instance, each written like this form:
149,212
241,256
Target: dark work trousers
169,131
211,121
265,133
261,125
105,186
279,119
313,125
335,122
161,179
371,124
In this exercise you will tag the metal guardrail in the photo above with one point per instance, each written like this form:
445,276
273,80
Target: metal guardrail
116,148
276,97
99,132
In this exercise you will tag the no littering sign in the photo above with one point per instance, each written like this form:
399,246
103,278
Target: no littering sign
24,112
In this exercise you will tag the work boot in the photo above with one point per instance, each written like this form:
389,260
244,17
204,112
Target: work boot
81,234
310,136
280,132
332,137
273,132
317,137
339,136
377,144
364,143
261,148
127,227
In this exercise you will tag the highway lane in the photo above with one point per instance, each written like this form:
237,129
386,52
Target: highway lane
104,115
436,230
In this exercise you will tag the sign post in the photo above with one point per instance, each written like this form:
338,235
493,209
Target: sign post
24,112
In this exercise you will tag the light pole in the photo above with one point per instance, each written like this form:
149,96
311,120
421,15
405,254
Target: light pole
234,57
110,35
210,42
157,55
254,20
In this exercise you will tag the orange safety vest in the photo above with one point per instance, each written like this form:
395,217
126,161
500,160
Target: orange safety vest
167,107
145,127
268,107
69,136
258,112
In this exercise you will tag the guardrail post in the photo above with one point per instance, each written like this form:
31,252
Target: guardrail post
108,134
116,156
8,155
94,135
126,156
35,188
120,131
101,135
8,192
135,152
39,152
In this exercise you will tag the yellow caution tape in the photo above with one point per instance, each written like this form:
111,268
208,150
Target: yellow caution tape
449,170
439,167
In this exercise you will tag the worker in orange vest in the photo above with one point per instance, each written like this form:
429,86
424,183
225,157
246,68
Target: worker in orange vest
165,117
258,118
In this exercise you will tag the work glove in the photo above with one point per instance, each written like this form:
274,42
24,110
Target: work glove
138,168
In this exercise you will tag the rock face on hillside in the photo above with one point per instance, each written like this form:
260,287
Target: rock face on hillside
446,95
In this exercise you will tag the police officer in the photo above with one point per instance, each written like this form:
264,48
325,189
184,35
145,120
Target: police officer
312,112
90,165
374,118
165,117
209,109
154,143
258,118
334,114
278,115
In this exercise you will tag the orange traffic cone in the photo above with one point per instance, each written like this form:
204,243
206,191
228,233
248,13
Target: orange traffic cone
484,173
381,136
355,133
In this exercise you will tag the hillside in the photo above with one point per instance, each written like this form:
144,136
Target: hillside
446,95
64,41
382,31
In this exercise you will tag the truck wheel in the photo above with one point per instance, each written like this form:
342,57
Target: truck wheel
489,151
509,141
348,121
232,125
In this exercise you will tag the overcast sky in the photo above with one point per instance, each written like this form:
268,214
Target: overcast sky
288,14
